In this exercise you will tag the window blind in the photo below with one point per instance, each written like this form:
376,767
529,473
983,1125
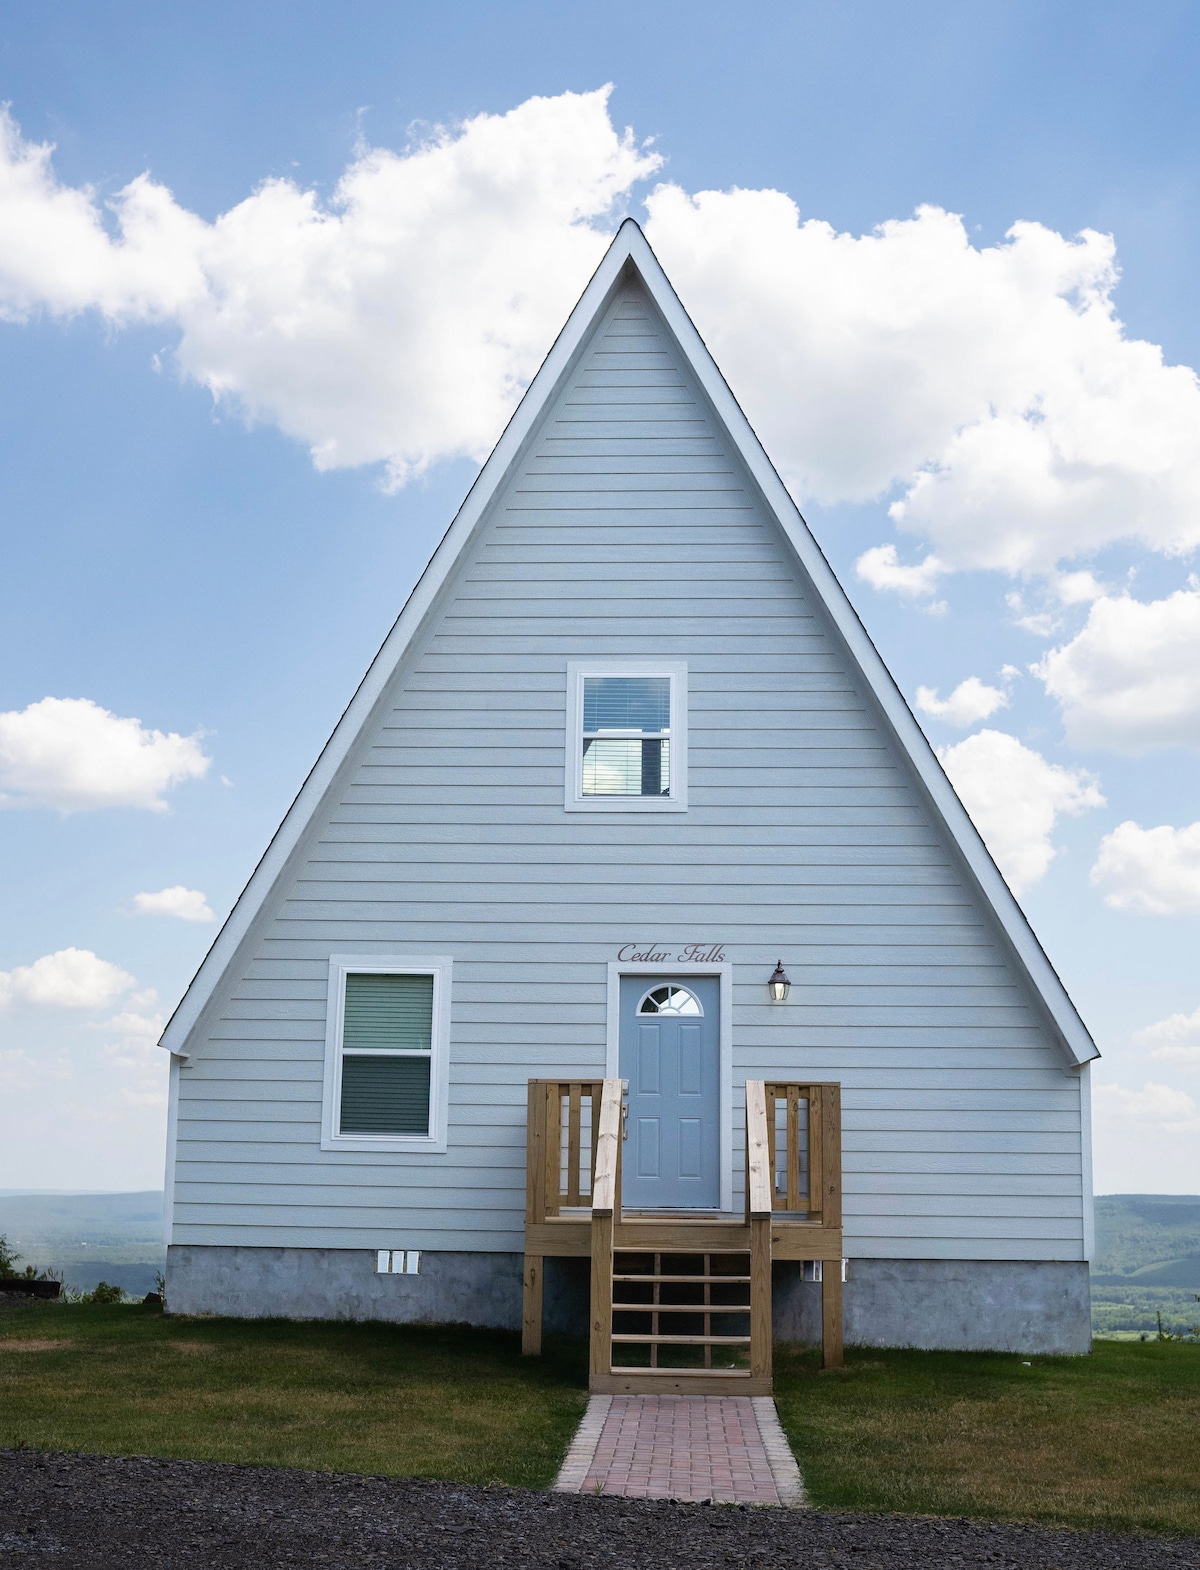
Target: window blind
625,703
387,1036
385,1095
388,1013
626,729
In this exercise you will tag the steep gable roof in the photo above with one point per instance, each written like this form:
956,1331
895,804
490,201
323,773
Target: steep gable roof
630,254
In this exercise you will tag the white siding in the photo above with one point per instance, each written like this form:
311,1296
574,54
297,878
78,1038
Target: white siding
629,530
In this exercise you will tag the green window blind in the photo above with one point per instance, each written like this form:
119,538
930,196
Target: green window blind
388,1014
387,1037
385,1095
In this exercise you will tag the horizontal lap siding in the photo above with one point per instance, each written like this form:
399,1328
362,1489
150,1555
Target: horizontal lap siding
630,531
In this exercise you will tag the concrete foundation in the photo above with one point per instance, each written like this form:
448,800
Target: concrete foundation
961,1305
955,1305
341,1283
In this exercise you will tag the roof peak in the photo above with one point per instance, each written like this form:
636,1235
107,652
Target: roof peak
629,248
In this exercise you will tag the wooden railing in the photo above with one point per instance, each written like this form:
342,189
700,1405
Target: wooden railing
804,1140
794,1166
606,1214
564,1125
758,1213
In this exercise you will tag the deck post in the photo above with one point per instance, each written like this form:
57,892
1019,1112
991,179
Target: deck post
760,1298
760,1184
600,1340
535,1211
606,1211
831,1216
531,1306
831,1314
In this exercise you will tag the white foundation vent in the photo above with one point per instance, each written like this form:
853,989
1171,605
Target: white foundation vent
398,1262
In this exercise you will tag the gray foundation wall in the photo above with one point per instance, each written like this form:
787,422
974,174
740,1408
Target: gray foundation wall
341,1283
955,1305
960,1305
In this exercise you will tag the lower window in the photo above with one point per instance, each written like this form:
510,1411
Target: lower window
385,1053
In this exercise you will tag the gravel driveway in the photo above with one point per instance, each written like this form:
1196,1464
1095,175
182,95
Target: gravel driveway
94,1512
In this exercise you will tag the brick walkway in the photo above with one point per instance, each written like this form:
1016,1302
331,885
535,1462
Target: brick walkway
729,1449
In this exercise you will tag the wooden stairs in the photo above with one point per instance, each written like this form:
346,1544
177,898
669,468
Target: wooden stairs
682,1304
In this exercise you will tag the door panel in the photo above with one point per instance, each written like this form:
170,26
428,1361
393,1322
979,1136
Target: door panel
691,1060
647,1148
649,1048
672,1061
690,1147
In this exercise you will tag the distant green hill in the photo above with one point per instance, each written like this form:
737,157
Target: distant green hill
1147,1263
1154,1238
89,1237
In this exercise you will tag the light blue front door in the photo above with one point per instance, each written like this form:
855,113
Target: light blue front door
671,1056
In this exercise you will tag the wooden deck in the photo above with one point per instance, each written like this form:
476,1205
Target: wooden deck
682,1304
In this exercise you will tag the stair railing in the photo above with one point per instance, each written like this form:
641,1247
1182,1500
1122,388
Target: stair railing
606,1216
794,1164
563,1127
759,1205
804,1132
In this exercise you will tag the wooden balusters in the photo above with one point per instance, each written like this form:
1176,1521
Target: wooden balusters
555,1122
818,1105
811,1151
805,1176
557,1166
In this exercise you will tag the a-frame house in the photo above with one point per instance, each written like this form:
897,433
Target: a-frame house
628,930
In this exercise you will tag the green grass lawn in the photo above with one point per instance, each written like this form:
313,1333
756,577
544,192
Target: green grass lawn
402,1400
1110,1441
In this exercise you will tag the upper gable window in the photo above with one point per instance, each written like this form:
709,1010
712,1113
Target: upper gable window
385,1054
626,737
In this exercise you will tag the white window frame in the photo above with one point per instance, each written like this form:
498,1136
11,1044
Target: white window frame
438,966
573,798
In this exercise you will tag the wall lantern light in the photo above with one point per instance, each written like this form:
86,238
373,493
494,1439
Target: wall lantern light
779,985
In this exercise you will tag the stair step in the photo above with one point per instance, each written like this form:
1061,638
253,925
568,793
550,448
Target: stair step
693,1280
680,1308
650,1340
681,1375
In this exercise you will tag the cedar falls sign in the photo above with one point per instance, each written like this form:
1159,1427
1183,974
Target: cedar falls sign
656,954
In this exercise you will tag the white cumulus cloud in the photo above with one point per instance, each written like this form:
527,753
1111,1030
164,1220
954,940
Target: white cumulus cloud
1175,1039
996,384
186,904
133,1045
71,978
71,754
882,568
1154,871
1130,679
971,701
397,321
1014,797
1174,1109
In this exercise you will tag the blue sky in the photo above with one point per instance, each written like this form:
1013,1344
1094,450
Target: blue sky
178,558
